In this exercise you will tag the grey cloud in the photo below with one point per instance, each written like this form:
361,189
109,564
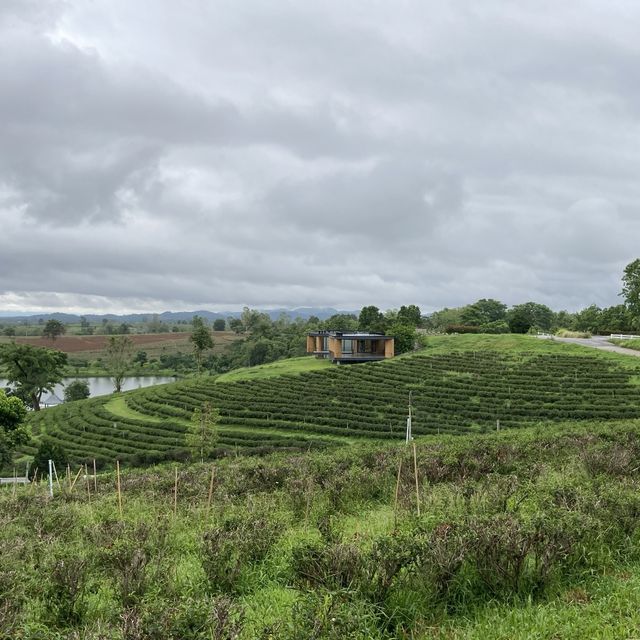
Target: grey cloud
196,154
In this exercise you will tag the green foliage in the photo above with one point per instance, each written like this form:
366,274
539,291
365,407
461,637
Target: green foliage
631,288
48,450
118,359
53,328
77,390
12,430
483,312
202,437
219,324
404,337
32,370
409,315
341,322
371,319
201,339
530,315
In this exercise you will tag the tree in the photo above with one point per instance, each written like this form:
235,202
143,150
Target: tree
48,450
12,430
33,370
201,339
118,359
529,315
202,435
9,331
219,324
440,320
484,311
141,358
588,319
341,322
235,324
371,319
77,390
631,289
85,327
404,337
53,329
410,315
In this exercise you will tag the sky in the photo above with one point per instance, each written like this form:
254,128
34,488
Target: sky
160,155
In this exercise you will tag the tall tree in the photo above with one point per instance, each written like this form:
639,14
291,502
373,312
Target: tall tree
118,359
32,369
523,317
12,429
371,319
201,339
53,329
631,289
410,315
202,435
483,311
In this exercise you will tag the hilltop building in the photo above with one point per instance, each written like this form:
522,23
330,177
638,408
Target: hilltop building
344,347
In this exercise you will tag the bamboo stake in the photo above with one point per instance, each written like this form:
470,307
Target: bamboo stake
34,482
118,485
175,493
210,498
415,469
69,475
15,481
395,505
95,477
55,472
86,475
73,484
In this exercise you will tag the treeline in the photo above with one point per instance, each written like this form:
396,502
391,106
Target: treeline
493,316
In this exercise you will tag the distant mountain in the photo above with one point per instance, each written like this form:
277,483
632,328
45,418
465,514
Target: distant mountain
167,316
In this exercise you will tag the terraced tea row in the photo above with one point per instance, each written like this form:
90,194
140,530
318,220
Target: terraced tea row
455,393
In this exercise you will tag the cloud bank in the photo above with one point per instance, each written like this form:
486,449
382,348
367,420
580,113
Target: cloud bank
163,155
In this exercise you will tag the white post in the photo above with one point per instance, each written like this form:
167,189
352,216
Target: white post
51,478
409,437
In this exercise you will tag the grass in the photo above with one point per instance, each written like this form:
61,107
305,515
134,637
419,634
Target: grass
291,366
633,343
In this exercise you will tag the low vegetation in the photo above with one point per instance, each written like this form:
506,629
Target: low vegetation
523,533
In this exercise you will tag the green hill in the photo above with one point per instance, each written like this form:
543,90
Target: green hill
459,384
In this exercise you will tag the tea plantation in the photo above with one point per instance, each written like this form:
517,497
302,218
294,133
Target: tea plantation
459,385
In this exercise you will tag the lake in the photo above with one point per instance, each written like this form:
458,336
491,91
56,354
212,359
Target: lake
100,386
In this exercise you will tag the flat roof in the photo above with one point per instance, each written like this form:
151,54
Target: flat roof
350,335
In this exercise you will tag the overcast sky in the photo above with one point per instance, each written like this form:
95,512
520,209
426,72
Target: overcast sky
163,155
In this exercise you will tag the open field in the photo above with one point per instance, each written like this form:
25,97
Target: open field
155,344
458,385
529,533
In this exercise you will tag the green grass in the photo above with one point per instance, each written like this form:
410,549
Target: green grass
290,366
634,343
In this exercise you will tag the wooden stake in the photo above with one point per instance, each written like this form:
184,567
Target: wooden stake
69,475
55,473
175,493
210,498
118,485
86,475
415,469
95,477
395,504
73,484
15,481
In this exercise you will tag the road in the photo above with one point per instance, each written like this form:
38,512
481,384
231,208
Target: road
600,342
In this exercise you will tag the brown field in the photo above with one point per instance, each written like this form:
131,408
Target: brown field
155,344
